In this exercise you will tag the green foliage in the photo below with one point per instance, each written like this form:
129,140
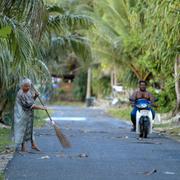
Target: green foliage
166,97
129,79
27,29
19,50
5,31
2,176
68,26
138,38
57,93
39,118
101,84
142,38
79,86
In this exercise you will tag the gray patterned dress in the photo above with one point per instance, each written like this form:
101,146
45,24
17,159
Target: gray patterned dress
23,117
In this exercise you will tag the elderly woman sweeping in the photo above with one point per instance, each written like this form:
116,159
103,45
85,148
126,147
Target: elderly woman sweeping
23,115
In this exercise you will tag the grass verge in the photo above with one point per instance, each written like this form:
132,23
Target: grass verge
4,141
39,118
5,133
171,129
175,133
122,113
2,176
4,138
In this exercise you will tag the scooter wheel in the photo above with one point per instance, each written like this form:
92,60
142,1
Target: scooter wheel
145,132
145,135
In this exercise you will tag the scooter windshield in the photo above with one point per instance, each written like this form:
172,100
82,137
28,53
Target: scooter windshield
142,103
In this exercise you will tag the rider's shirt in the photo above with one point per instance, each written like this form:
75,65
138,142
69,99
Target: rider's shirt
142,95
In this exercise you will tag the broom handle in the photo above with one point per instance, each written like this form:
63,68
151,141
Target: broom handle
46,109
43,105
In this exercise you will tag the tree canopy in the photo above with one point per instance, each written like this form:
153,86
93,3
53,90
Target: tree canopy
135,39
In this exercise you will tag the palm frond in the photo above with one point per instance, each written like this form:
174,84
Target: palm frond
55,9
79,45
30,13
17,52
71,21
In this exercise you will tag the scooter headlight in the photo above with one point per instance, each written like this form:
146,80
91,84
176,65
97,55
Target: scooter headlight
144,105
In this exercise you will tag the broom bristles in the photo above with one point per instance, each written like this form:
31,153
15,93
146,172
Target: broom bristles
61,137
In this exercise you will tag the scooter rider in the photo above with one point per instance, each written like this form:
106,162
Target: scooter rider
140,94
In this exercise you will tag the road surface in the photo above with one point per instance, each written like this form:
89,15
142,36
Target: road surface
103,148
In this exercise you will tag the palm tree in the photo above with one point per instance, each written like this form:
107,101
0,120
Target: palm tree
119,36
143,38
27,28
72,35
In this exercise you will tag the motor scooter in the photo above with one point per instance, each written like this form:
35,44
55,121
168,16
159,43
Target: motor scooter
144,118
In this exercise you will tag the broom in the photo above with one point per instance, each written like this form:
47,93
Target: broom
61,137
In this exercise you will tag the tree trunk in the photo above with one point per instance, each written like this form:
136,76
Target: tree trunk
146,76
135,71
113,77
2,107
177,84
88,91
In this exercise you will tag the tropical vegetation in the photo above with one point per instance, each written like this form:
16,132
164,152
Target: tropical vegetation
29,30
140,40
115,41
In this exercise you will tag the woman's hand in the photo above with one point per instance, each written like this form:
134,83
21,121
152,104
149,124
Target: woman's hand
36,93
44,108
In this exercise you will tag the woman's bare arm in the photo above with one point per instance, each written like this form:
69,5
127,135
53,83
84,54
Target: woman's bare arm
39,107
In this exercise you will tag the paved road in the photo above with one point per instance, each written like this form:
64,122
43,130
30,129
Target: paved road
103,148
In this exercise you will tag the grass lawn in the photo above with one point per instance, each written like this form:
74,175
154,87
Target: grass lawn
122,113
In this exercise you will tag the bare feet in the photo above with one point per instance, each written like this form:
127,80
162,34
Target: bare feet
23,148
34,146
